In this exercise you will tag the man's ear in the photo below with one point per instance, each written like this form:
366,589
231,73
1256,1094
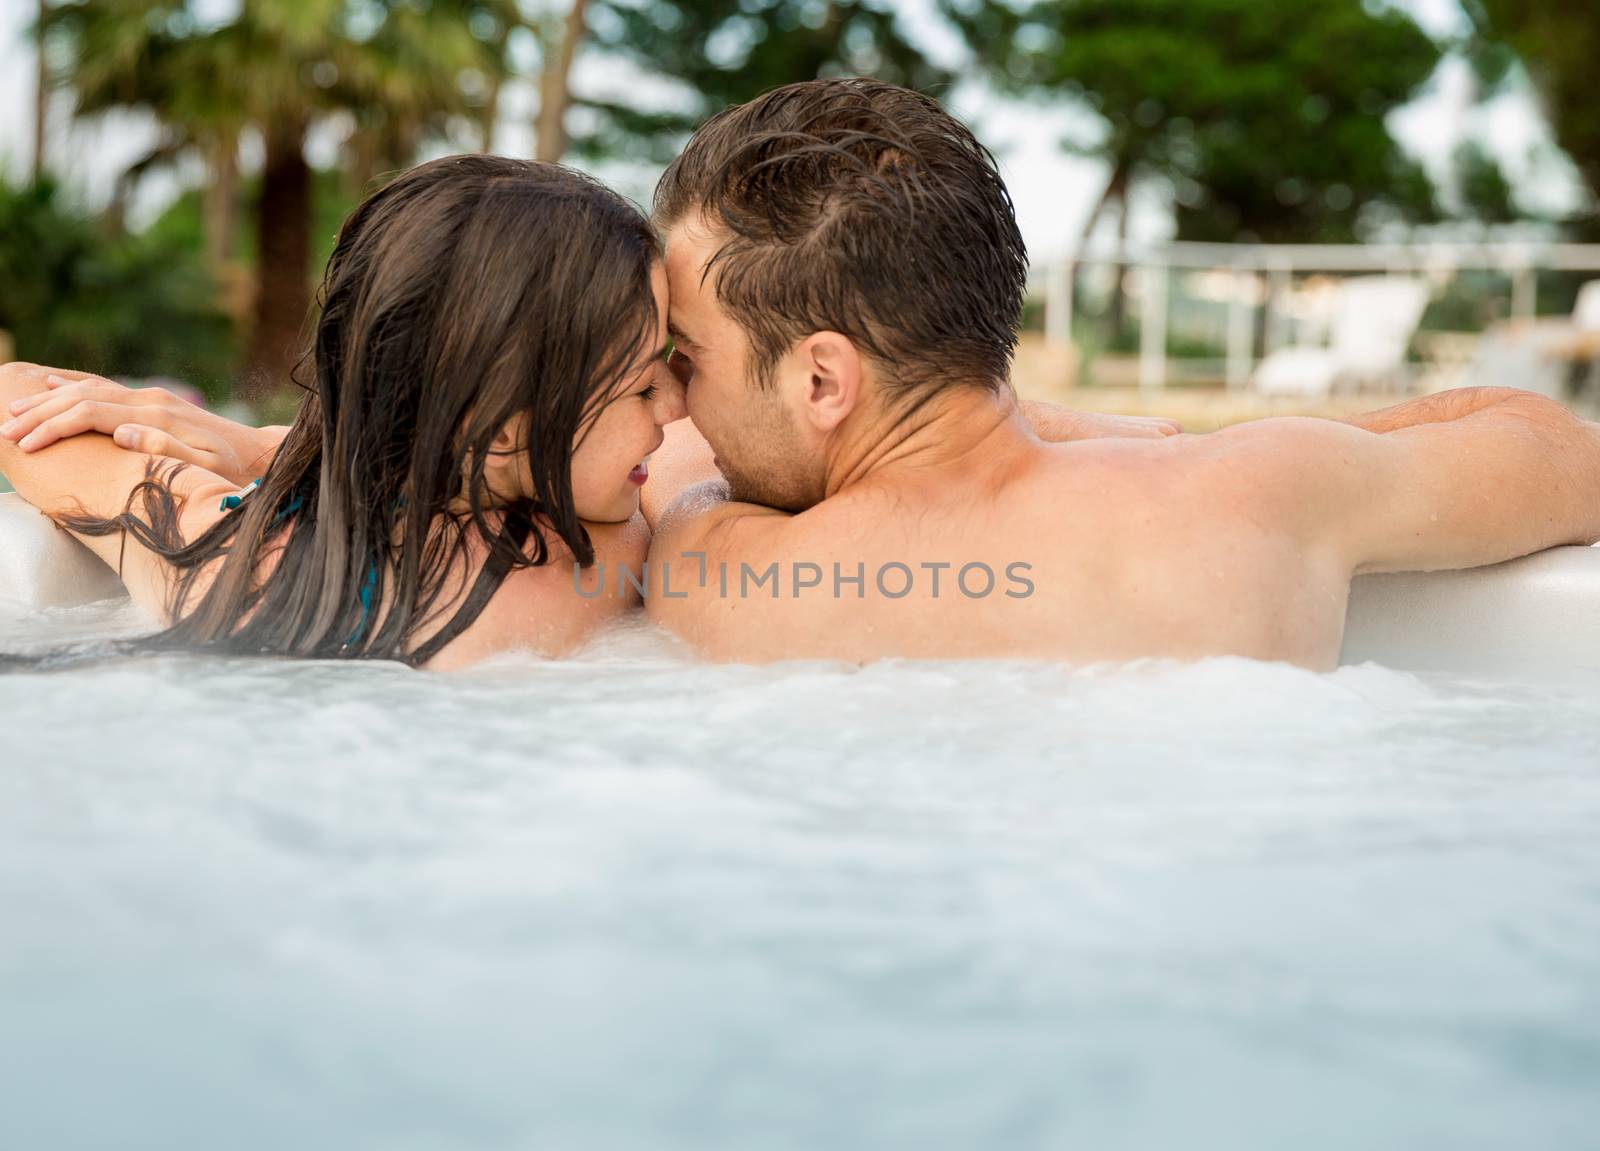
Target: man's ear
834,368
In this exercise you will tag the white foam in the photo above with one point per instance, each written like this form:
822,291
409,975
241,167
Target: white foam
543,903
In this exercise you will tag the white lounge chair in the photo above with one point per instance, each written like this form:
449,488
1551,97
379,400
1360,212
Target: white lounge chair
1586,312
1555,356
1374,320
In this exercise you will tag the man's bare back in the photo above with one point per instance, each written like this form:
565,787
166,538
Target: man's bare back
846,284
990,543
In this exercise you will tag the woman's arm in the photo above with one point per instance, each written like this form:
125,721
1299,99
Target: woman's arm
1056,424
148,420
89,475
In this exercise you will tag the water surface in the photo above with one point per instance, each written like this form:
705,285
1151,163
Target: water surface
626,901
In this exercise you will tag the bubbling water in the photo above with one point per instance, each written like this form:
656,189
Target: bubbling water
628,900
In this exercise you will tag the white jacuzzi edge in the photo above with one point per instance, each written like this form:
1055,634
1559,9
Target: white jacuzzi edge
42,566
1539,613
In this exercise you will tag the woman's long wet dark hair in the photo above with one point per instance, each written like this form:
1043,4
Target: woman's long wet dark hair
468,291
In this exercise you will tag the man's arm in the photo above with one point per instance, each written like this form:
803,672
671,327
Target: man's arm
1438,408
148,420
89,475
1495,475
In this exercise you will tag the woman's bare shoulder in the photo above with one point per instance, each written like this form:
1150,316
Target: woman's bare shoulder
555,608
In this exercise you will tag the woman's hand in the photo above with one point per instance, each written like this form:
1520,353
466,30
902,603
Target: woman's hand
148,420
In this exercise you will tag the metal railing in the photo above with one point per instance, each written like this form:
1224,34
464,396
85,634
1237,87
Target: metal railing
1277,265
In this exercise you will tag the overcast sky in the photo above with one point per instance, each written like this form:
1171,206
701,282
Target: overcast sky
1054,192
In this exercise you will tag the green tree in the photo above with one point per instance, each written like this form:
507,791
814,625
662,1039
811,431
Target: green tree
721,52
1266,120
1485,193
399,70
1558,42
71,292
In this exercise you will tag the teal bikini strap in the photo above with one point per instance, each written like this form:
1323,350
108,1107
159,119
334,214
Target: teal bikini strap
229,503
232,503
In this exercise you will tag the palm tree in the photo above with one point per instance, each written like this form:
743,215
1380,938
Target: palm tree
395,71
41,91
555,85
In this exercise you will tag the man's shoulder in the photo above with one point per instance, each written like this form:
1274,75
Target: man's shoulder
1276,454
1282,475
707,512
704,521
1266,437
1298,478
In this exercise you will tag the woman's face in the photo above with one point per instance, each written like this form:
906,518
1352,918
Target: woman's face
610,461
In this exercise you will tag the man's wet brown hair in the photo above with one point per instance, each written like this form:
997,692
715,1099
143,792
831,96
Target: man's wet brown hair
859,207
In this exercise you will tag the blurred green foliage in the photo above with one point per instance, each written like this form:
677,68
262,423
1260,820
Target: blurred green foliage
400,70
1266,119
75,295
397,71
183,222
1558,42
714,53
1486,195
